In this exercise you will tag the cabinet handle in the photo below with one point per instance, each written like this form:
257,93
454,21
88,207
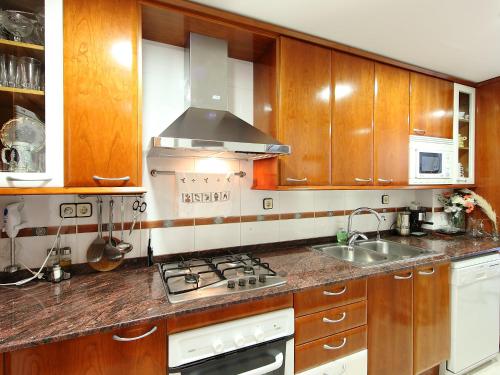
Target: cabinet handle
128,339
427,273
419,131
99,178
410,275
329,347
383,180
357,179
296,179
9,178
327,293
326,320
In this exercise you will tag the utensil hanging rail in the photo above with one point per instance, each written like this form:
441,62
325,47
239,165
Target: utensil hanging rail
156,172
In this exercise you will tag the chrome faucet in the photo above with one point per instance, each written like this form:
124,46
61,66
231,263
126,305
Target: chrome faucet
354,235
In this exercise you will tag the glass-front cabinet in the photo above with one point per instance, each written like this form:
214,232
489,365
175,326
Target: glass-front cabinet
31,93
463,133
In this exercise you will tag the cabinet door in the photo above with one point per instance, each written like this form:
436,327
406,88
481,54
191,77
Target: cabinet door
431,335
390,318
352,120
431,106
391,113
304,113
102,133
99,354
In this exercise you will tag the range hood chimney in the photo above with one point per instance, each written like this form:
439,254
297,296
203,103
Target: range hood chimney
206,128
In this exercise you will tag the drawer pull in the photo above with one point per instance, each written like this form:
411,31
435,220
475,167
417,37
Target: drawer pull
326,320
427,273
99,178
357,179
10,178
327,293
329,347
383,180
296,179
128,339
419,131
410,275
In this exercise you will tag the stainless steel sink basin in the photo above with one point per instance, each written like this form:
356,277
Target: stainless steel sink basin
393,248
355,254
371,252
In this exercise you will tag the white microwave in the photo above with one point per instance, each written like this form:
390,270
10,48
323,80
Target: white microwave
431,161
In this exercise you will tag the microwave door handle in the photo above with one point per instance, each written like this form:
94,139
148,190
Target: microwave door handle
278,362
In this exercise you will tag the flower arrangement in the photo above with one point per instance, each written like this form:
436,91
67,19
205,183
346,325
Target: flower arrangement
457,202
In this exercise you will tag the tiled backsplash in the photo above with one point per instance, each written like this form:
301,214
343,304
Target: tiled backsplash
163,101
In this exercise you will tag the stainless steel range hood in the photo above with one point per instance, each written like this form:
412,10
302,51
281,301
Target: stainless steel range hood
206,128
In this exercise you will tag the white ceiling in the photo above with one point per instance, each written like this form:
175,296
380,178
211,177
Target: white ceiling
457,37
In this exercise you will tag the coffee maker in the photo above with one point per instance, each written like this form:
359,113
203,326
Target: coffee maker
418,217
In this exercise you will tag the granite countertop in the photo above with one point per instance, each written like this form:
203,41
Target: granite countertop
86,304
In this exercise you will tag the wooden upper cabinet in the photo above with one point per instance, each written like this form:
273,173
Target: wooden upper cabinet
102,132
391,114
431,327
304,112
390,317
352,120
431,106
97,354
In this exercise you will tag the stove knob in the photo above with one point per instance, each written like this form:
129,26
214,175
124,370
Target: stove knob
217,346
252,280
258,334
239,341
262,278
242,282
231,284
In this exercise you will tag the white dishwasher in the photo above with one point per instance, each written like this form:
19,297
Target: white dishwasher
475,312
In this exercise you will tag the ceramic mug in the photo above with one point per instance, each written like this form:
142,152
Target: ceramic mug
19,157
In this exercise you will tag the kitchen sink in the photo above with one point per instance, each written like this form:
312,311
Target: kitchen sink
393,248
371,252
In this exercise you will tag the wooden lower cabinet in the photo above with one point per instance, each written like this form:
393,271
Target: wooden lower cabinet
99,354
330,348
431,316
390,319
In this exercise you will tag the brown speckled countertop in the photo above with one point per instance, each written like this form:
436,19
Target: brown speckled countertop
44,312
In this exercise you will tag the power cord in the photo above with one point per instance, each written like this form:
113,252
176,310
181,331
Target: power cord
38,275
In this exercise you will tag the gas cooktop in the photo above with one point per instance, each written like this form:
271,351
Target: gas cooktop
189,279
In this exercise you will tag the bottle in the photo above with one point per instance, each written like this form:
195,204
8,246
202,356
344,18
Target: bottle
53,259
65,258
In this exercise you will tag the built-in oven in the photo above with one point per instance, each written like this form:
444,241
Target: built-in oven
430,160
256,345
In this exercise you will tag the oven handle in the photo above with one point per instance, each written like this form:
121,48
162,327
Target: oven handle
267,368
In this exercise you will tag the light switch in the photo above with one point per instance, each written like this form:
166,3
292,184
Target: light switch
267,203
385,199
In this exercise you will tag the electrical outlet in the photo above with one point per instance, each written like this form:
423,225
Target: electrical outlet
385,199
267,203
67,210
83,209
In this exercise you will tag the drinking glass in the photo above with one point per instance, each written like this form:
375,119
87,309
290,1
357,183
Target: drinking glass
11,63
29,69
3,71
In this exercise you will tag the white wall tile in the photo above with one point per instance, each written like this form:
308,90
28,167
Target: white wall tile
216,236
329,226
296,201
363,198
169,240
259,232
295,229
329,200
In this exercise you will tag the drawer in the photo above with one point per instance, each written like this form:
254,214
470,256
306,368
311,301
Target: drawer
329,322
354,364
327,297
329,349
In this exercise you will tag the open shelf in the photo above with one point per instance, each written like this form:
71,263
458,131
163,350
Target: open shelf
21,91
12,43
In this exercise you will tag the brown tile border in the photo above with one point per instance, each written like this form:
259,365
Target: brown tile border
329,213
217,220
297,215
253,218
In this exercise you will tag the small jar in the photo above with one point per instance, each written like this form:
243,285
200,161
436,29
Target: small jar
53,259
65,257
342,236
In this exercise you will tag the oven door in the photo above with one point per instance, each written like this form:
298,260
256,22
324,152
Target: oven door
273,358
